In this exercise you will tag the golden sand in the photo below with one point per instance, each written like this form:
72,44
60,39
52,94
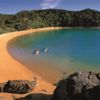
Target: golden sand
10,69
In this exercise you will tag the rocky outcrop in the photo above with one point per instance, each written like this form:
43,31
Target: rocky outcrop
17,86
79,86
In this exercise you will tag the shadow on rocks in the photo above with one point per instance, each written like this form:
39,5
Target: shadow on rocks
36,97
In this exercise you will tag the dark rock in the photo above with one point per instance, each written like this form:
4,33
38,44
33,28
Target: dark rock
19,86
0,89
36,97
79,86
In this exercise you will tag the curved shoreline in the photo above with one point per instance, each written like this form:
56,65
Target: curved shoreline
10,69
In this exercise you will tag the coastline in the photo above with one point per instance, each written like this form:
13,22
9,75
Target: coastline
36,66
10,69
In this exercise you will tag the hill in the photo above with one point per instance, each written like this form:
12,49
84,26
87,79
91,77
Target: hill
50,17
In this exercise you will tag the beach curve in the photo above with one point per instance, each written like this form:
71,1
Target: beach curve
10,69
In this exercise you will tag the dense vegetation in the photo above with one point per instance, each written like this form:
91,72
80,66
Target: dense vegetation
47,18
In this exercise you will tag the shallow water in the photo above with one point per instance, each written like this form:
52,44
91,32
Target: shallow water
69,50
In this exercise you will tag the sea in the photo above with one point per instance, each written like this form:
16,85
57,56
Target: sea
68,51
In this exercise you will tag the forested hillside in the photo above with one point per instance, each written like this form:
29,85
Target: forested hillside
46,18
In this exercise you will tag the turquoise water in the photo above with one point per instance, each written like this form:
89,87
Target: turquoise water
68,49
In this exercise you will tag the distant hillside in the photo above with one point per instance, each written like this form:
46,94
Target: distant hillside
50,17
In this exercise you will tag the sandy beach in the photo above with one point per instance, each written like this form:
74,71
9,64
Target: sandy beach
10,69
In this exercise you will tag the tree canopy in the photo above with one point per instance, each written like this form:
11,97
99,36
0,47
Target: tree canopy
50,17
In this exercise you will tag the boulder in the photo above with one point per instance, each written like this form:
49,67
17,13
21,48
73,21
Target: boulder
19,86
79,86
